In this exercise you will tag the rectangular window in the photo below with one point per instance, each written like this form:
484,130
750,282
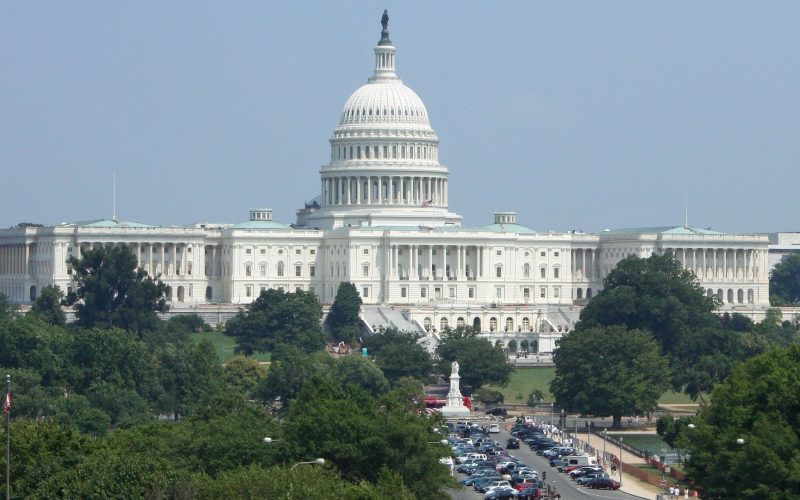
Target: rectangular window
556,291
471,292
263,251
543,272
499,272
555,254
555,272
499,252
452,292
263,288
366,251
403,292
248,270
423,292
365,292
394,151
543,254
312,251
526,293
298,289
543,292
298,271
498,292
248,291
248,251
386,151
262,269
298,251
311,270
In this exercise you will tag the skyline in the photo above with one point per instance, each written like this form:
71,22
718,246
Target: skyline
586,116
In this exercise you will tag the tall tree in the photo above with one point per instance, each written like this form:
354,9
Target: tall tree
278,318
113,292
744,444
481,362
609,371
399,354
343,318
784,281
653,294
47,306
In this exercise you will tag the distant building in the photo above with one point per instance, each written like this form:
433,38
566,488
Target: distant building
382,221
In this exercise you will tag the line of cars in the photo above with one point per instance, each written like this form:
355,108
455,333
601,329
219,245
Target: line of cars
489,468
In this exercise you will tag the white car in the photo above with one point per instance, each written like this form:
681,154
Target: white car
494,429
528,419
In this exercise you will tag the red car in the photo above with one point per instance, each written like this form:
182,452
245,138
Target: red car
604,483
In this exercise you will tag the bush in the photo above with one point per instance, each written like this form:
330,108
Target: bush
489,396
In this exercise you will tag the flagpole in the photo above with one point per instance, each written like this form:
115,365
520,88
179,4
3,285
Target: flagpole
8,440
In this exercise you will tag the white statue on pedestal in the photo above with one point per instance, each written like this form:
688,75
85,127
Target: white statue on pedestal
455,401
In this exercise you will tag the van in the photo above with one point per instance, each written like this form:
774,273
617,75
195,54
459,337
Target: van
571,462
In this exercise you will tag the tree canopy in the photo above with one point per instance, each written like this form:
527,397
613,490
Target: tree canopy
278,318
609,371
342,319
482,362
47,306
399,354
784,281
744,444
113,292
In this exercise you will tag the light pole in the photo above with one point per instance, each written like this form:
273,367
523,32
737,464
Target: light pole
589,434
316,461
620,460
605,435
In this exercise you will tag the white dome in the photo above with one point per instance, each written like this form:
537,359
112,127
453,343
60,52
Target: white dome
384,101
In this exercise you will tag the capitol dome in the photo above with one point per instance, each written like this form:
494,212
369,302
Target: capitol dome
384,167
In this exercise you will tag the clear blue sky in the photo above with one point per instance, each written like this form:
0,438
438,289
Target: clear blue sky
578,115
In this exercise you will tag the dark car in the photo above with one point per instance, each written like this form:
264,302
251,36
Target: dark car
603,483
512,444
502,494
530,493
499,411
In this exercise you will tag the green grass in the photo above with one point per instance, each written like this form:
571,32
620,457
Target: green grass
224,345
524,380
652,443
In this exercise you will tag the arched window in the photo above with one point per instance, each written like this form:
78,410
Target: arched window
750,296
512,346
526,271
492,324
460,322
720,295
526,324
180,294
588,293
209,293
365,270
33,294
281,269
509,324
730,295
740,296
427,324
443,324
476,323
579,293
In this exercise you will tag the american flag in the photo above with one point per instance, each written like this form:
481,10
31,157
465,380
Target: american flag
7,403
427,203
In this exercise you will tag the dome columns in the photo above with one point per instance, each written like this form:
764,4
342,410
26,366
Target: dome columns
413,191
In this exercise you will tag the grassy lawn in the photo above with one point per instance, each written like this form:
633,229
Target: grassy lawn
652,443
224,345
524,380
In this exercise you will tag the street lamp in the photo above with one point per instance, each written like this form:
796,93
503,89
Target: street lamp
269,440
620,460
739,441
605,435
443,441
317,461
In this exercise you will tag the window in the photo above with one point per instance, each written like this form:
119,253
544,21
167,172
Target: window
404,292
248,291
394,151
248,270
427,324
499,271
298,271
423,292
498,292
366,251
452,292
298,289
543,272
555,254
555,272
262,269
385,150
312,251
298,251
492,324
365,270
499,252
526,293
312,270
248,251
526,324
543,292
526,271
443,324
365,292
509,324
280,252
280,268
556,291
471,292
543,254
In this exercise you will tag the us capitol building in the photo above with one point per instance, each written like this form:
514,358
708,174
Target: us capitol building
382,221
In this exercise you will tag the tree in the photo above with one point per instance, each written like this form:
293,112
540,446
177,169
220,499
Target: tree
244,374
784,281
534,397
653,294
399,354
609,371
47,306
7,309
343,317
744,444
277,317
113,292
481,362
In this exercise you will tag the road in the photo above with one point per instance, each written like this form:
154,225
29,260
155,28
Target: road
568,489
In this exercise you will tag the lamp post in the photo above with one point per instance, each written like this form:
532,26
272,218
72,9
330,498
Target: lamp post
316,461
605,435
620,460
589,434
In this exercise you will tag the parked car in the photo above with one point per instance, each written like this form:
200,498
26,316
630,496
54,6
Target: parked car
529,493
499,411
494,429
588,478
603,483
512,444
582,471
493,485
501,493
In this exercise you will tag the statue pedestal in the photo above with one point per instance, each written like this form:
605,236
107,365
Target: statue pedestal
455,401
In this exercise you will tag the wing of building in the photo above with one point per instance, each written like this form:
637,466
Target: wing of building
382,221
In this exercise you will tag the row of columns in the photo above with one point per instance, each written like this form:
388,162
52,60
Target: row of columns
583,262
461,270
15,258
388,190
720,263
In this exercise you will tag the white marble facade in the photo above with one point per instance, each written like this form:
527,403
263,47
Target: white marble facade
382,221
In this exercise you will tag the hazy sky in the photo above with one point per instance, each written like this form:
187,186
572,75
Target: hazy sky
577,115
